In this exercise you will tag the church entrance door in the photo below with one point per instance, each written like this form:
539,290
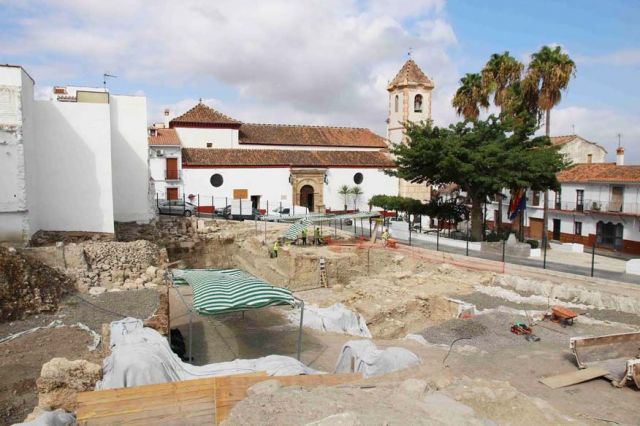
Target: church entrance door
306,197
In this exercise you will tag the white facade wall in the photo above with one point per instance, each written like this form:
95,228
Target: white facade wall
16,94
199,137
158,167
272,184
129,158
578,150
74,164
374,182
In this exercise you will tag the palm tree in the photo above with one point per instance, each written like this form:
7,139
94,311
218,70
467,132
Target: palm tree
499,73
356,191
470,96
548,74
345,191
501,76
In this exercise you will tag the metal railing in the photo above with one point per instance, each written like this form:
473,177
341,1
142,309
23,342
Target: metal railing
598,206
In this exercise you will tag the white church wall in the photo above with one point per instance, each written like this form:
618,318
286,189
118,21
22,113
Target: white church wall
270,184
199,137
74,159
129,158
374,182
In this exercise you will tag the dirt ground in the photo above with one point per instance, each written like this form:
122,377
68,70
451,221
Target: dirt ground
21,360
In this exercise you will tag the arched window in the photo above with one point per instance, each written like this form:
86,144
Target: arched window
397,101
417,103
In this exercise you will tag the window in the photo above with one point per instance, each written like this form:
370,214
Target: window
417,103
558,201
589,158
577,228
358,178
209,145
580,200
536,198
397,102
216,180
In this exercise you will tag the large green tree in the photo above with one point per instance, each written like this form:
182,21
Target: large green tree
481,156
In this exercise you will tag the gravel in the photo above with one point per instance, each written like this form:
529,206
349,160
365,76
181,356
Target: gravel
92,311
492,331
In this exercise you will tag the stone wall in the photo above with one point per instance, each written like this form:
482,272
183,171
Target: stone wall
28,286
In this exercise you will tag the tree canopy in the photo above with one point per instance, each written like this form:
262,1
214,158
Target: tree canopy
481,156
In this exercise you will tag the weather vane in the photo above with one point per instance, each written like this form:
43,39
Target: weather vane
409,52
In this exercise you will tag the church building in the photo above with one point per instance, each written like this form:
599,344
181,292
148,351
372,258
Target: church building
208,156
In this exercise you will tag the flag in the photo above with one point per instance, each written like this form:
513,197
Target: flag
517,204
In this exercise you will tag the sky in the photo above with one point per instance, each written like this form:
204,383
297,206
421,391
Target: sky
327,62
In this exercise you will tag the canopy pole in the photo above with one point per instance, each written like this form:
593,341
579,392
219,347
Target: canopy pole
190,319
301,302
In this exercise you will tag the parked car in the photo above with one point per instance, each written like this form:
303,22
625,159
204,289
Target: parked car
177,207
290,210
223,211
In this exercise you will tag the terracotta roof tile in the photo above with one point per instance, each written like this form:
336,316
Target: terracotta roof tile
561,140
410,73
164,137
202,114
285,158
600,172
277,134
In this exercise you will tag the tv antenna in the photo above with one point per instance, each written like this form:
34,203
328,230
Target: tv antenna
619,137
104,78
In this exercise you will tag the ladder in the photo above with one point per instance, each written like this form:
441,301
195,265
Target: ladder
323,273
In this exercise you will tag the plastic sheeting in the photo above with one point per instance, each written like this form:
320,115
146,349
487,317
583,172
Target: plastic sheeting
142,356
363,356
336,318
58,417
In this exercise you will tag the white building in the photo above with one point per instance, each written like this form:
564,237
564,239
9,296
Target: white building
204,153
579,150
76,162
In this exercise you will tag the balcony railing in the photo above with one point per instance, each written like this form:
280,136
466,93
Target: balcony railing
594,206
172,174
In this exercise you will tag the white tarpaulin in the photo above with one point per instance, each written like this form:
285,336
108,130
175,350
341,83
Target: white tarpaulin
58,417
336,318
362,356
142,356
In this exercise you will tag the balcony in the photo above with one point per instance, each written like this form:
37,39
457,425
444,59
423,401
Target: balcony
597,206
172,174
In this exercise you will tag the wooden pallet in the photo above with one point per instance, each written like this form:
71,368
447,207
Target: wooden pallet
189,402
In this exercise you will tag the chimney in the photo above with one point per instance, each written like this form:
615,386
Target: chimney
620,156
166,118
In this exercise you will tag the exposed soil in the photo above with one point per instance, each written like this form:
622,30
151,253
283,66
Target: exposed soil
21,361
93,311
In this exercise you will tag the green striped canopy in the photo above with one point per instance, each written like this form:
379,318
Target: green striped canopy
296,229
220,291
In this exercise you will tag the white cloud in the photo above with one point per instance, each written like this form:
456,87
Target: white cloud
321,61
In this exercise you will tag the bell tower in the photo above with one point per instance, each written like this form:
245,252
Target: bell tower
409,100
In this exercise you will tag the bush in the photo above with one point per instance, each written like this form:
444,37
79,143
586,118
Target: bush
533,243
493,237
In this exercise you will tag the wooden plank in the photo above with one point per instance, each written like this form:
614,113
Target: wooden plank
574,377
165,403
231,390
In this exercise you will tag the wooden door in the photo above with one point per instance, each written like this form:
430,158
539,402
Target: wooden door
535,228
172,168
556,229
616,199
172,193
